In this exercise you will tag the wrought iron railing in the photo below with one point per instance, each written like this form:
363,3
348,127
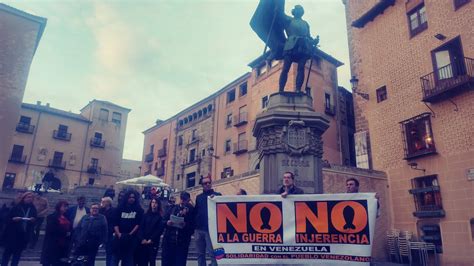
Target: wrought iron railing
57,164
97,142
25,128
447,78
17,158
240,146
240,119
62,135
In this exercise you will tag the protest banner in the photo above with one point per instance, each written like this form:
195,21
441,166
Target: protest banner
317,229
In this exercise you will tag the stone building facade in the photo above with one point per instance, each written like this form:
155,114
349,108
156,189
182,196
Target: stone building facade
222,123
20,34
414,59
76,149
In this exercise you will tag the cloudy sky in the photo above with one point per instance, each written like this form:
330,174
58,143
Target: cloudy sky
155,57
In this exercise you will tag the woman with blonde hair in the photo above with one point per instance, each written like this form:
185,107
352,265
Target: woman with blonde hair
19,228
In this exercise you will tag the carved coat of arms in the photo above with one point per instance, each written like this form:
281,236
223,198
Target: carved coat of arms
295,137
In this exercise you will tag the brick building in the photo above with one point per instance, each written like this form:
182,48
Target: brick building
77,149
215,135
414,60
20,34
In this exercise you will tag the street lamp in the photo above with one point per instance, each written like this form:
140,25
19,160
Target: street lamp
355,83
211,152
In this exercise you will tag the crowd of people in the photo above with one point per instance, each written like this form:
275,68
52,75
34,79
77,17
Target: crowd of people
128,234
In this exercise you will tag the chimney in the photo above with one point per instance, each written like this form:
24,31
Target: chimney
47,104
38,102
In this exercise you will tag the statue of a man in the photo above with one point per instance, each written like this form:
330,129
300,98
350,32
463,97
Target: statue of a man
298,46
287,37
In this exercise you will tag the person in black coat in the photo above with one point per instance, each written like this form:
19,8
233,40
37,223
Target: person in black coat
289,187
203,239
57,236
108,211
177,237
19,228
149,235
128,218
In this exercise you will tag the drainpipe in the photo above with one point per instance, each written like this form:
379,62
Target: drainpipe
32,148
85,146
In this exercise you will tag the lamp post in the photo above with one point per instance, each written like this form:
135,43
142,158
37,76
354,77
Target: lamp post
355,83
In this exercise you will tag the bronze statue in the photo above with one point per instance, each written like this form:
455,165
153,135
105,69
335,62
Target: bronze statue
271,23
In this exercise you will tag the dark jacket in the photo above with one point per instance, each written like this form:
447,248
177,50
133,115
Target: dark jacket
56,240
109,216
127,217
293,190
18,233
200,210
151,228
71,213
91,229
177,235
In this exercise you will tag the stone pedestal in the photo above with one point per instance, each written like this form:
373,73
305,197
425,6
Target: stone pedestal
289,139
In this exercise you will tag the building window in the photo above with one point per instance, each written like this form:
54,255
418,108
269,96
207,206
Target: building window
116,118
25,120
194,136
261,70
472,228
178,177
17,154
431,233
203,152
231,96
228,121
62,130
192,155
417,20
264,102
418,136
227,172
180,140
98,136
191,180
460,3
381,94
427,196
104,115
227,146
156,165
243,89
152,147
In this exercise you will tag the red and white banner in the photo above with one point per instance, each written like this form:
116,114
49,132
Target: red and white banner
318,229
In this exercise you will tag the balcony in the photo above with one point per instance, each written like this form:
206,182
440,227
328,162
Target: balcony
93,169
149,157
18,159
61,135
57,164
240,119
25,128
330,110
160,171
97,142
162,152
240,147
448,81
